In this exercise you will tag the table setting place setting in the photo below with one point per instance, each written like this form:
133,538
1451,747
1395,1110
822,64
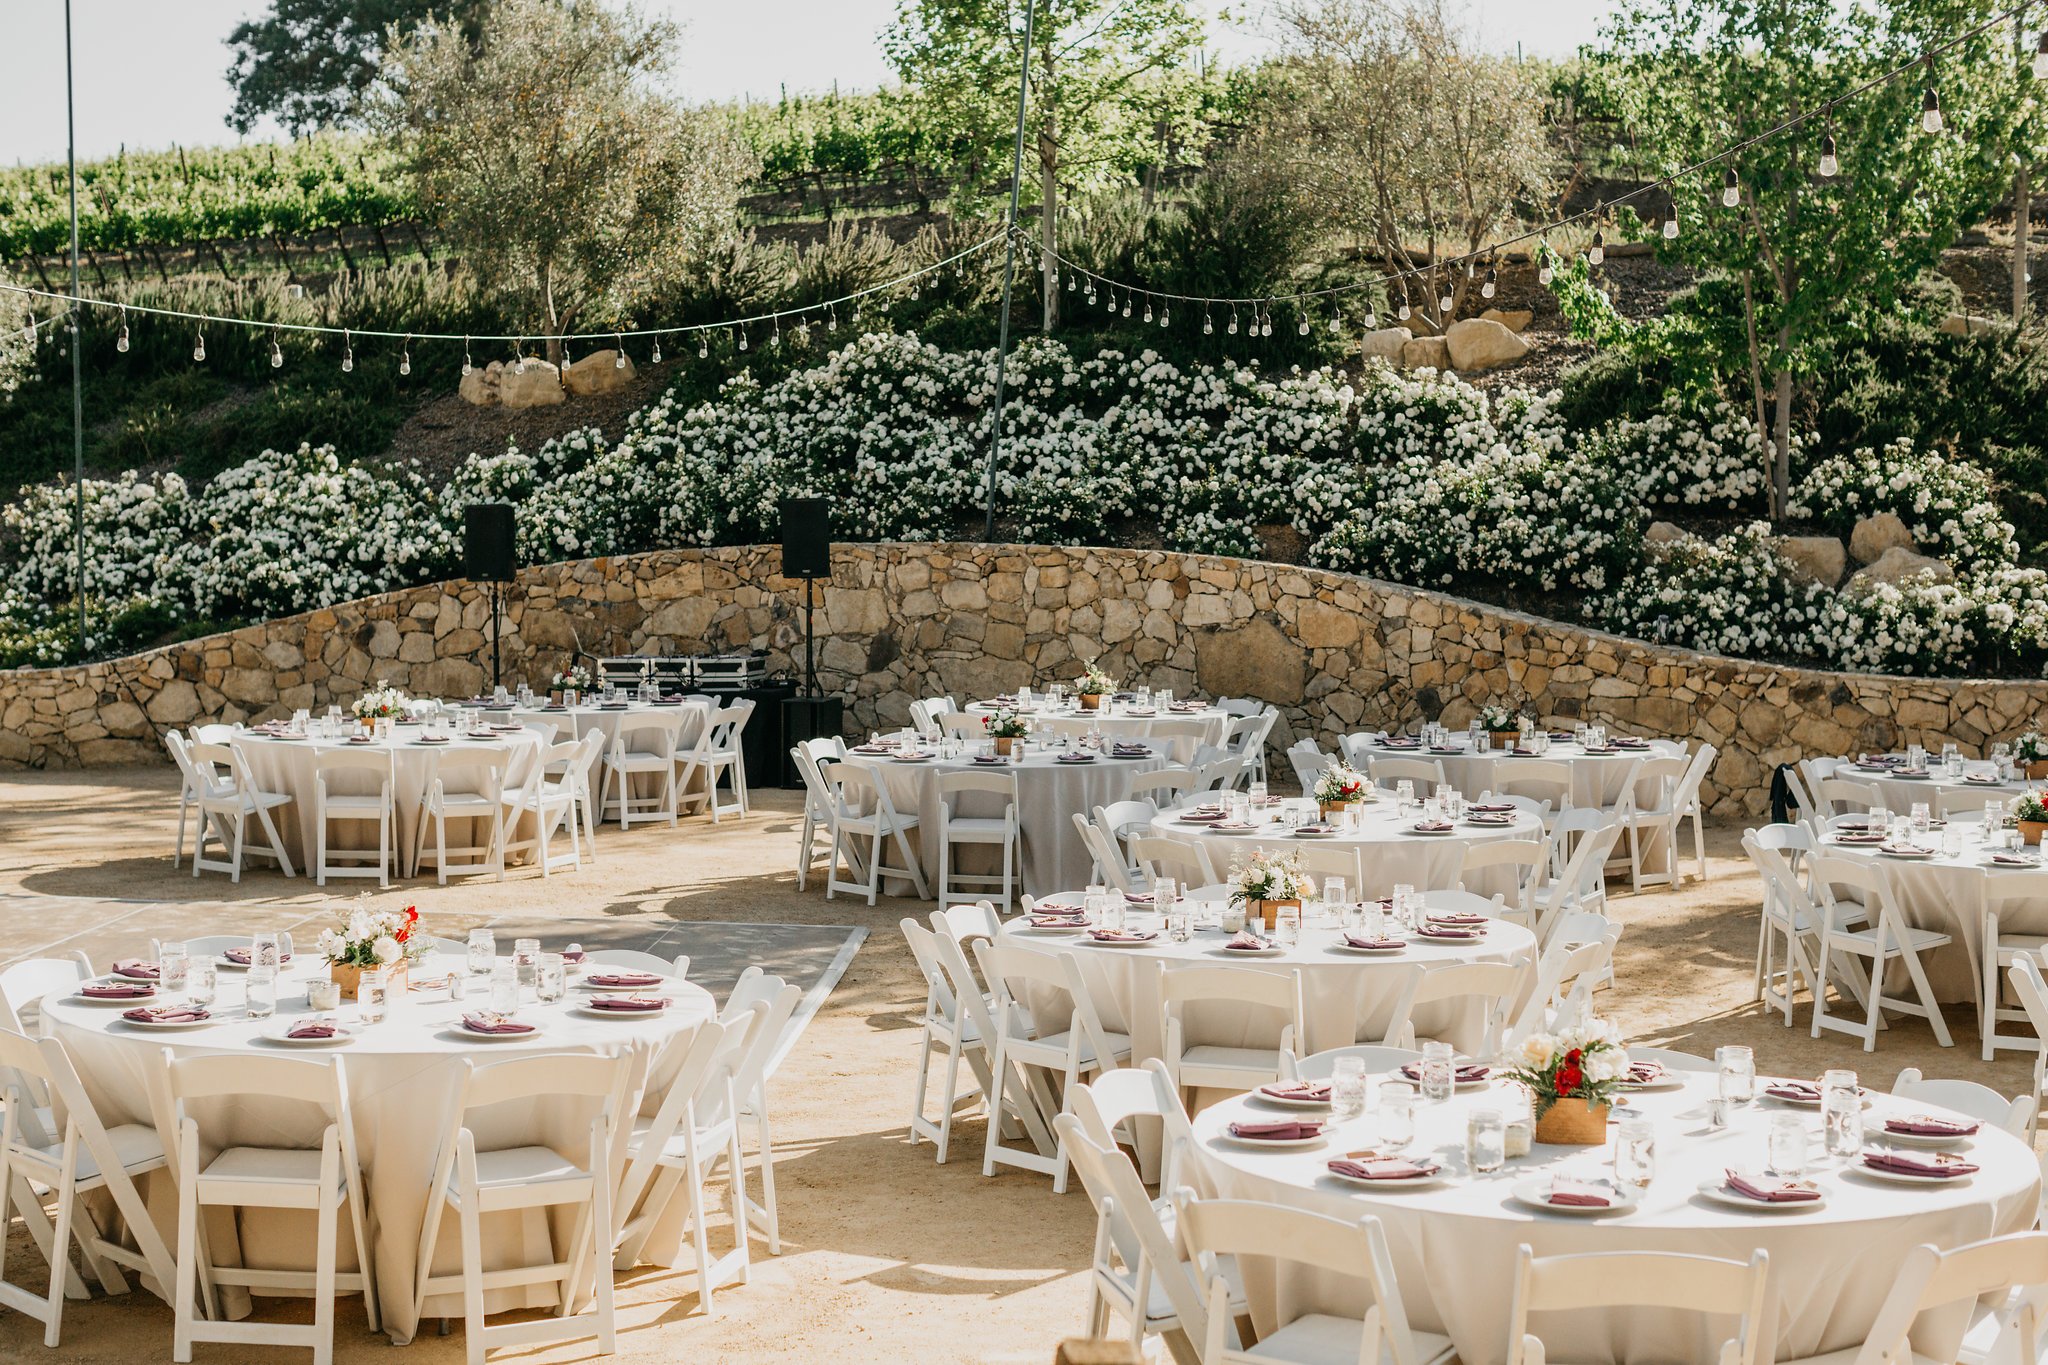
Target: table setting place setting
1094,692
1572,1127
1344,804
1499,730
1917,764
1921,836
1009,742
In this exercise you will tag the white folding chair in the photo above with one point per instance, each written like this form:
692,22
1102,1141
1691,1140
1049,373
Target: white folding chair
1790,916
580,1186
1843,796
1805,806
1673,1281
53,1143
576,775
717,754
945,1030
1082,1048
552,802
2031,990
1217,774
233,1175
1109,1106
1667,773
24,983
1164,786
356,808
1580,881
1298,1240
1548,780
1493,986
1334,859
643,746
777,1000
1885,939
998,830
463,784
2000,949
1246,738
1272,999
922,720
1179,736
1109,858
2001,1284
955,948
1426,774
1527,859
1308,762
1164,855
817,813
861,809
226,802
1980,1102
1121,819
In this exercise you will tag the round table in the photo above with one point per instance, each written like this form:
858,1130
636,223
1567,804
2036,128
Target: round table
1597,778
1119,721
1050,852
401,1074
1387,849
287,766
1454,1243
1901,794
574,722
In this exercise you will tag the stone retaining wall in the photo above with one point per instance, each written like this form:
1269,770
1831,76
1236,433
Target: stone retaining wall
899,621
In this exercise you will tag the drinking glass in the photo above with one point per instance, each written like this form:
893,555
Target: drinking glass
261,988
1486,1141
201,982
526,959
264,952
1635,1152
1404,905
370,995
504,988
1335,898
1738,1073
1439,1072
483,950
1395,1114
323,993
1257,791
1841,1108
1404,794
553,978
1952,841
1287,926
1347,1087
1787,1149
172,965
1922,817
1994,822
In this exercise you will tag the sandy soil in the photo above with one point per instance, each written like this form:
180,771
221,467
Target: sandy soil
886,1256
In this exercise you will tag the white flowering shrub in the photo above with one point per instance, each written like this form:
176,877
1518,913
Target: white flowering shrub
1731,595
1698,456
1947,504
137,536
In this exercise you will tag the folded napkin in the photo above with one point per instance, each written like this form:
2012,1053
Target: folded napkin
1944,1165
1519,752
241,955
1316,827
1450,931
1447,748
631,1004
1186,707
573,953
1455,917
1560,734
909,755
1132,750
1856,836
1490,818
1357,941
989,760
1282,1130
1121,936
117,990
1492,807
1927,1125
1400,743
1804,1092
1058,908
1138,897
137,969
1373,1166
1246,941
1075,758
1644,1073
192,1014
623,980
494,1023
1198,817
2015,860
873,748
1057,921
1465,1073
1771,1189
1233,826
1630,742
1433,826
1316,1092
362,739
314,1028
1982,779
1578,1194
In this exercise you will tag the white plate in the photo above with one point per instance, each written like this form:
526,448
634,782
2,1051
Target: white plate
1535,1193
1263,1098
459,1031
1342,947
126,1002
1274,1144
1762,1094
1670,1080
166,1026
1315,833
1398,1075
1906,1178
1908,854
1413,1182
1027,927
341,1035
1929,1140
593,1012
1716,1192
1431,833
1221,951
586,984
1121,942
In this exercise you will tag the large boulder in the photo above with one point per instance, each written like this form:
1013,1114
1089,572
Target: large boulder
599,372
1481,344
1426,353
536,384
1900,563
1877,533
1662,533
1386,343
1516,320
1815,559
1963,324
480,385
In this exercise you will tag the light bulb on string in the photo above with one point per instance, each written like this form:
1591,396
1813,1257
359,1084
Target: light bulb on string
1070,283
1148,308
1731,189
703,345
121,341
1165,314
743,338
2041,57
654,357
1444,301
1127,303
1109,302
1598,251
1208,323
1545,272
1930,111
775,342
1266,322
1232,328
466,366
1671,226
1486,287
348,352
619,354
405,356
199,345
1830,165
1302,328
276,353
832,319
1404,311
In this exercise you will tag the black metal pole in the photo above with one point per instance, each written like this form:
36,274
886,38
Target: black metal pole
497,591
77,364
995,416
810,643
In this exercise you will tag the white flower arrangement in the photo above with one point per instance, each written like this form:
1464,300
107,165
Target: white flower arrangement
374,938
575,677
379,703
1093,682
1583,1061
1341,784
1261,875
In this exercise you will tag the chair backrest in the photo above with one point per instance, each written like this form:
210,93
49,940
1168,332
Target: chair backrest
1277,994
1109,859
1648,1279
1378,1059
939,1001
1218,774
1308,762
858,787
351,761
647,734
1239,706
723,727
778,1000
964,983
1127,1221
24,983
939,706
1008,965
1545,779
1003,784
2031,989
1687,797
1167,783
1119,819
1526,856
2005,886
1785,898
316,1081
1248,732
1180,736
1805,808
1334,859
1497,985
1385,770
965,921
1163,855
1831,873
963,725
1980,1102
1110,1101
1583,876
215,732
921,720
479,772
823,748
201,764
1841,796
1214,1228
1668,771
2012,1270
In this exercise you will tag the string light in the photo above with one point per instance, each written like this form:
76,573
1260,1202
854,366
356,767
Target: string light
405,357
1544,272
348,353
121,341
1165,314
1444,301
1671,225
1303,328
703,347
619,354
519,350
199,345
831,319
1232,328
1598,251
1731,189
1208,323
1930,111
466,366
743,338
1266,320
1830,166
1148,308
1405,310
1486,288
655,357
276,353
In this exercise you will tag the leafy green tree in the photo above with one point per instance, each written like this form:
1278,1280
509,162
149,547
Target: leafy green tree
1109,94
551,161
1816,255
306,63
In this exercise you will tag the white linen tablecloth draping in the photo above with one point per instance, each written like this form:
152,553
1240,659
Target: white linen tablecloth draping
1123,722
574,722
1901,794
1391,853
401,1074
1454,1243
287,766
1050,854
1596,778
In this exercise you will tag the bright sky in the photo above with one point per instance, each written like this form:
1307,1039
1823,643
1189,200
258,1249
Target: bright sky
152,72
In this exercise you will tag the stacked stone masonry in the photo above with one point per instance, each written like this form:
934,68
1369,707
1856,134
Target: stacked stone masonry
1334,653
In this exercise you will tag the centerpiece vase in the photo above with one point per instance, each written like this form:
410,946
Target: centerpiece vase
349,976
2031,831
1004,743
2037,770
1091,701
1332,810
1572,1123
1269,911
1504,739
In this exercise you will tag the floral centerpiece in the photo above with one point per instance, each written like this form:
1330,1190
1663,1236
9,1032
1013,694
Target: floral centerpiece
575,678
2030,813
1263,882
1005,727
1340,786
1502,721
1093,685
382,702
368,939
2030,751
1572,1075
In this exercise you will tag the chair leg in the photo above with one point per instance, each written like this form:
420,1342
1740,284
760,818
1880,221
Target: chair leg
323,1264
472,1277
693,1174
1921,988
188,1257
235,854
951,1099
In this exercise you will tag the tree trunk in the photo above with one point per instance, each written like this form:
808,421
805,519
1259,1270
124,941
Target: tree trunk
1048,210
382,245
547,298
2022,225
1756,370
1781,442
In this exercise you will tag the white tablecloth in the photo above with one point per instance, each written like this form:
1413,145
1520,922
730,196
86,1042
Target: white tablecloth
287,766
1454,1243
400,1077
574,722
1120,721
1596,778
1391,852
1051,853
1901,794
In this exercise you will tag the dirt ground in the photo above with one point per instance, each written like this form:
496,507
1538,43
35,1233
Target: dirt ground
886,1256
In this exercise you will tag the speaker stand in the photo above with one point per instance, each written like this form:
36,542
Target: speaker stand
810,643
495,593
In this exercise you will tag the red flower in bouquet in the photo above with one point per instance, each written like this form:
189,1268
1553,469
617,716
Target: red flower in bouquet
1570,1073
412,917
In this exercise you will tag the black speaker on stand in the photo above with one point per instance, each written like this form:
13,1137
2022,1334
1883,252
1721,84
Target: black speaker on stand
490,556
807,554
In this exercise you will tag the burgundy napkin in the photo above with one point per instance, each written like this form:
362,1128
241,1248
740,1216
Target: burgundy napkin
1075,758
1201,817
1946,1165
1121,936
1490,818
1433,826
1493,807
314,1028
1805,1092
1927,1125
1372,1166
241,955
1771,1189
1455,917
137,969
572,953
623,980
1316,827
1245,941
1316,1091
1056,921
494,1023
1283,1130
1357,942
180,1014
117,990
1138,897
1578,1194
1399,742
1450,931
1643,1073
1467,1073
1630,742
632,1004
